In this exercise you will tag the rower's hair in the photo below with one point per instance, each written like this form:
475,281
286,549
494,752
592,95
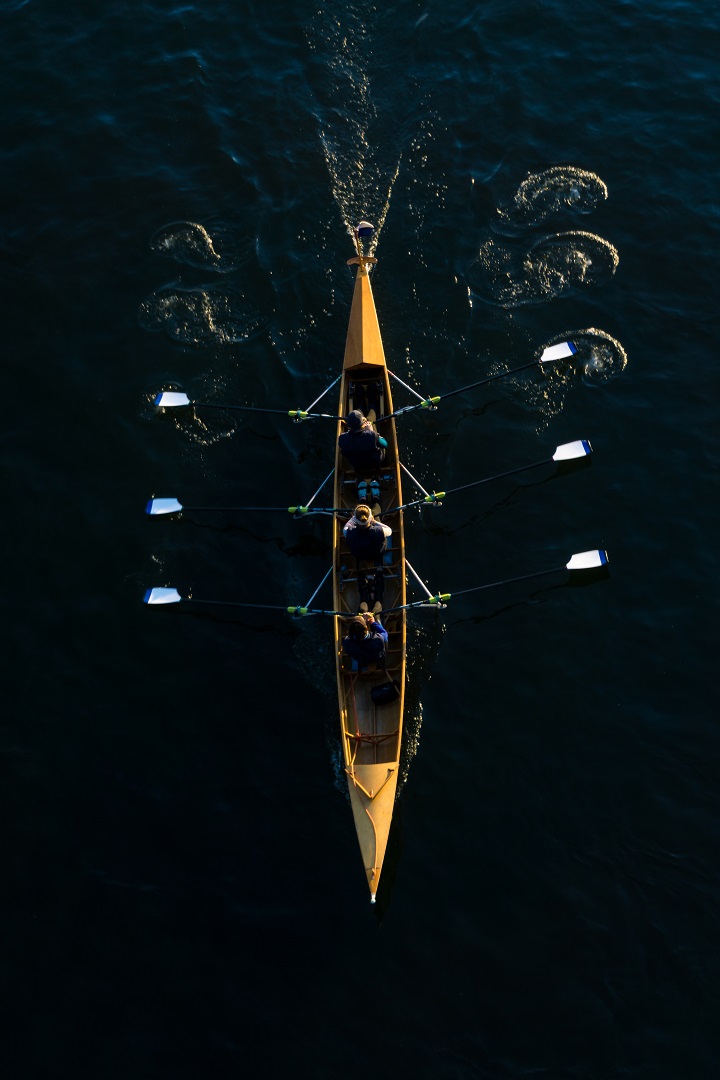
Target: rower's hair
357,627
363,513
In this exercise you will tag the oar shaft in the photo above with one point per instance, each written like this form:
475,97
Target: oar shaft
441,598
234,603
299,511
510,581
237,509
436,498
296,414
499,476
433,401
489,379
163,596
236,408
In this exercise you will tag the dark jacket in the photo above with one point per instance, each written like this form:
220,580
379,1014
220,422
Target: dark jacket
364,449
365,650
365,542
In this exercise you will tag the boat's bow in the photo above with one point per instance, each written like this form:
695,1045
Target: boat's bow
364,343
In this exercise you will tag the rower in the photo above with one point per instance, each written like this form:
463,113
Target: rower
361,446
367,540
366,640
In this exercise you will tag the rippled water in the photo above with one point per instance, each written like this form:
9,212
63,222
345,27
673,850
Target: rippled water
183,895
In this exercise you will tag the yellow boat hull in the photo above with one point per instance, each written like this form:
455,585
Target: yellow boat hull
371,733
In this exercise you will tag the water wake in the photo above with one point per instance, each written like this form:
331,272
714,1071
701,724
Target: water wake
363,163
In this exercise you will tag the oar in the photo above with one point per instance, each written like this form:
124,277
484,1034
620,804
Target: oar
549,356
585,560
172,399
155,507
159,595
571,451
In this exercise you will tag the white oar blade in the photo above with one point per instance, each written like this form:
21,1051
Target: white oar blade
588,560
171,399
571,450
163,506
558,352
162,596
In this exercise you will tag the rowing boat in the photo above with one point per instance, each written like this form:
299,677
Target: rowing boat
371,732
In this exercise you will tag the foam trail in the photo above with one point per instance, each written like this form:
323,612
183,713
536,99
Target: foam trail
360,169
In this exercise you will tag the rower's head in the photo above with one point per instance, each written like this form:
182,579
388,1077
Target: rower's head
358,628
363,516
355,420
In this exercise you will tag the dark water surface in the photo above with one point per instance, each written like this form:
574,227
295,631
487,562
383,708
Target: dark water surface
182,894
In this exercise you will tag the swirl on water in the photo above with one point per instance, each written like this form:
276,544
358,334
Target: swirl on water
554,266
200,316
599,356
543,194
570,260
189,243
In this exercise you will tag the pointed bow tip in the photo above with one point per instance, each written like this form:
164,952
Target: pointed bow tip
372,898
